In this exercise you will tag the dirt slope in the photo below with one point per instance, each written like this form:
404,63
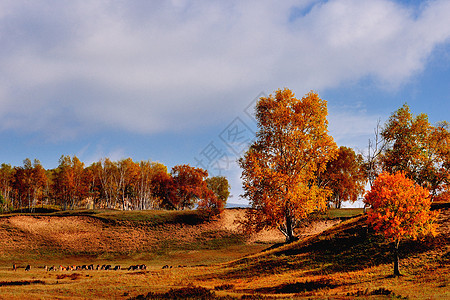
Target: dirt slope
231,217
49,235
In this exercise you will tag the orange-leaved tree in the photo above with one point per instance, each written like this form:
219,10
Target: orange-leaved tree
216,196
400,209
345,176
281,168
188,186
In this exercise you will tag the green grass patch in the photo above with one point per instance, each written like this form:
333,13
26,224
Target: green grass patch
334,213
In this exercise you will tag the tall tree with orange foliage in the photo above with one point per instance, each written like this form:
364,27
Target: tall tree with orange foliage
281,168
420,150
400,209
345,176
68,184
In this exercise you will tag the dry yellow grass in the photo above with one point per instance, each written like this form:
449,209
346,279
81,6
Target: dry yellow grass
315,267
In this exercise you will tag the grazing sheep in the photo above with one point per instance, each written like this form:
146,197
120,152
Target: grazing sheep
116,268
103,267
14,267
108,267
142,267
52,268
91,267
98,267
28,268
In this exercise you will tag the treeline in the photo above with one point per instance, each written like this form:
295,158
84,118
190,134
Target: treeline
122,184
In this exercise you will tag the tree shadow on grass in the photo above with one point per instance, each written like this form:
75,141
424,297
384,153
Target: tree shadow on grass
350,246
298,287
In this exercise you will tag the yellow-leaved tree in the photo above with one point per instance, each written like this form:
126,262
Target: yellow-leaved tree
281,167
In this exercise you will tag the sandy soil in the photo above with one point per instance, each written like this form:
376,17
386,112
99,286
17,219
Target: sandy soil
230,220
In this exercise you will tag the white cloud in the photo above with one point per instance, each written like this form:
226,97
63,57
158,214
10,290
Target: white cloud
146,67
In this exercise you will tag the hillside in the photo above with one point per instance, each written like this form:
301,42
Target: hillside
340,258
103,235
348,259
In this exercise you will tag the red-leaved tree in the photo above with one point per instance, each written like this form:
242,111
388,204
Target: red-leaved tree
400,209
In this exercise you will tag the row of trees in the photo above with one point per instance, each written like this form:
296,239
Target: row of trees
123,184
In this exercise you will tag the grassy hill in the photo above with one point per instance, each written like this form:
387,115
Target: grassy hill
94,236
210,259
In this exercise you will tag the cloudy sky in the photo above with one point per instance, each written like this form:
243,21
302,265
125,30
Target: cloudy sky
175,81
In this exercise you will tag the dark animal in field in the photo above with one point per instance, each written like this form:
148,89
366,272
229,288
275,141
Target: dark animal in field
61,268
84,267
142,267
28,268
14,267
91,267
52,268
167,267
133,268
78,268
116,268
98,267
108,267
103,267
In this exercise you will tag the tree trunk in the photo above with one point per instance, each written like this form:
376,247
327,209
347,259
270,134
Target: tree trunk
396,259
289,229
289,232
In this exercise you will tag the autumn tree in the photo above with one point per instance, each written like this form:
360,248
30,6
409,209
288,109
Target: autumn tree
68,184
152,185
29,183
91,177
128,172
161,186
38,182
419,149
345,176
216,198
188,187
6,178
400,209
281,168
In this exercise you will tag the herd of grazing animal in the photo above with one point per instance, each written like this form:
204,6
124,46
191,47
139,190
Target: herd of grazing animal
85,267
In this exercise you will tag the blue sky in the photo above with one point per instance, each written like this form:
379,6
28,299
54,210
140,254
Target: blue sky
174,81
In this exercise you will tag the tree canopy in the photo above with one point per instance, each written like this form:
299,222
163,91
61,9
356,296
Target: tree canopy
122,184
281,168
419,149
345,176
400,209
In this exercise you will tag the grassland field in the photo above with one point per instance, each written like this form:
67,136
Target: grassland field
189,255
